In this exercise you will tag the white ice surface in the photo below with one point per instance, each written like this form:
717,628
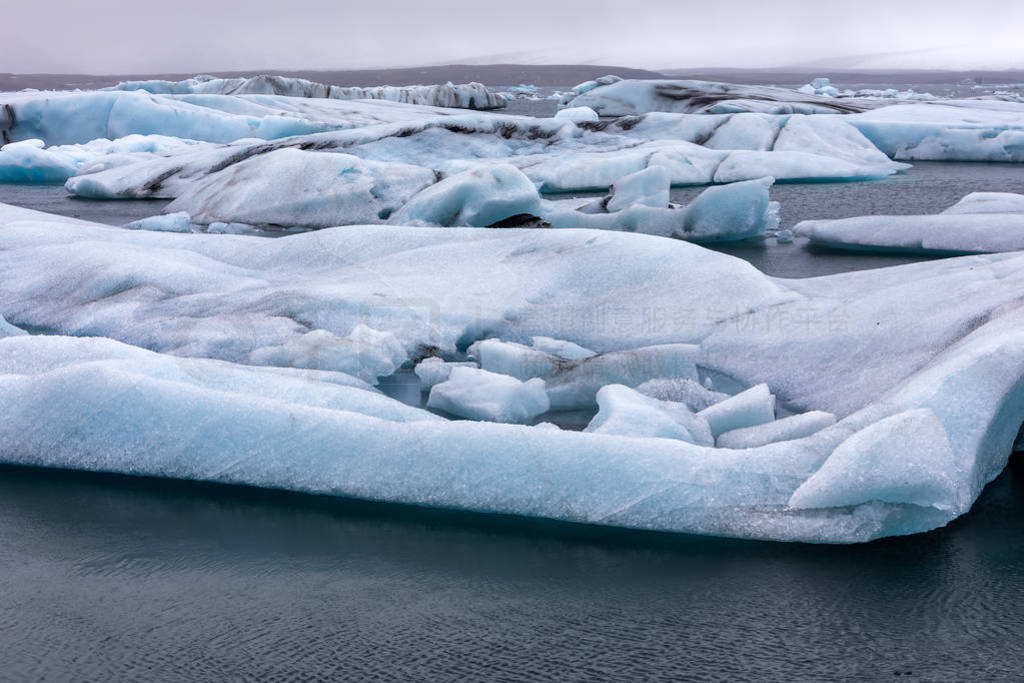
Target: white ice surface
482,395
755,406
466,95
785,429
937,344
627,412
982,222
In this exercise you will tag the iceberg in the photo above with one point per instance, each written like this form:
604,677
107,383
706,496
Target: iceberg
76,118
946,130
292,187
629,97
464,96
479,197
720,213
922,366
982,222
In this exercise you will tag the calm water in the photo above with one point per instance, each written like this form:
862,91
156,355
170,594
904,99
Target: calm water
114,578
111,578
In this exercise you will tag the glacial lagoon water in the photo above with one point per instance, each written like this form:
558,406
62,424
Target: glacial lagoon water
140,579
116,578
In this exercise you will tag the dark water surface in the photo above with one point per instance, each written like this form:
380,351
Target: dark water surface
110,578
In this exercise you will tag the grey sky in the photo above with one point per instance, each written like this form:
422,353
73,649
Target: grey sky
122,36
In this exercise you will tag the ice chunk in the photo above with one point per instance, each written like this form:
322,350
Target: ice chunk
905,458
292,187
732,212
988,202
29,162
434,370
689,392
951,130
365,353
9,330
578,114
480,197
627,412
561,348
577,386
786,429
728,212
219,228
482,395
172,222
649,187
941,234
516,360
749,408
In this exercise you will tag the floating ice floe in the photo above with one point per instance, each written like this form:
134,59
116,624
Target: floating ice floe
76,118
922,365
464,96
724,212
982,222
628,97
947,130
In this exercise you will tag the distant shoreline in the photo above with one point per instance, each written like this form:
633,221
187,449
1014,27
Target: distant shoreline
551,75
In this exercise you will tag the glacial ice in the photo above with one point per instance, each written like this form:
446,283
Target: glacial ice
687,391
988,202
76,118
724,212
755,406
627,412
923,360
479,198
784,429
946,130
179,221
979,223
465,96
481,395
629,97
575,386
509,358
561,348
649,187
434,370
364,352
577,114
292,187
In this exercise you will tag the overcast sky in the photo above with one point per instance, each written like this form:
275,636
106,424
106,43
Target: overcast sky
125,36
